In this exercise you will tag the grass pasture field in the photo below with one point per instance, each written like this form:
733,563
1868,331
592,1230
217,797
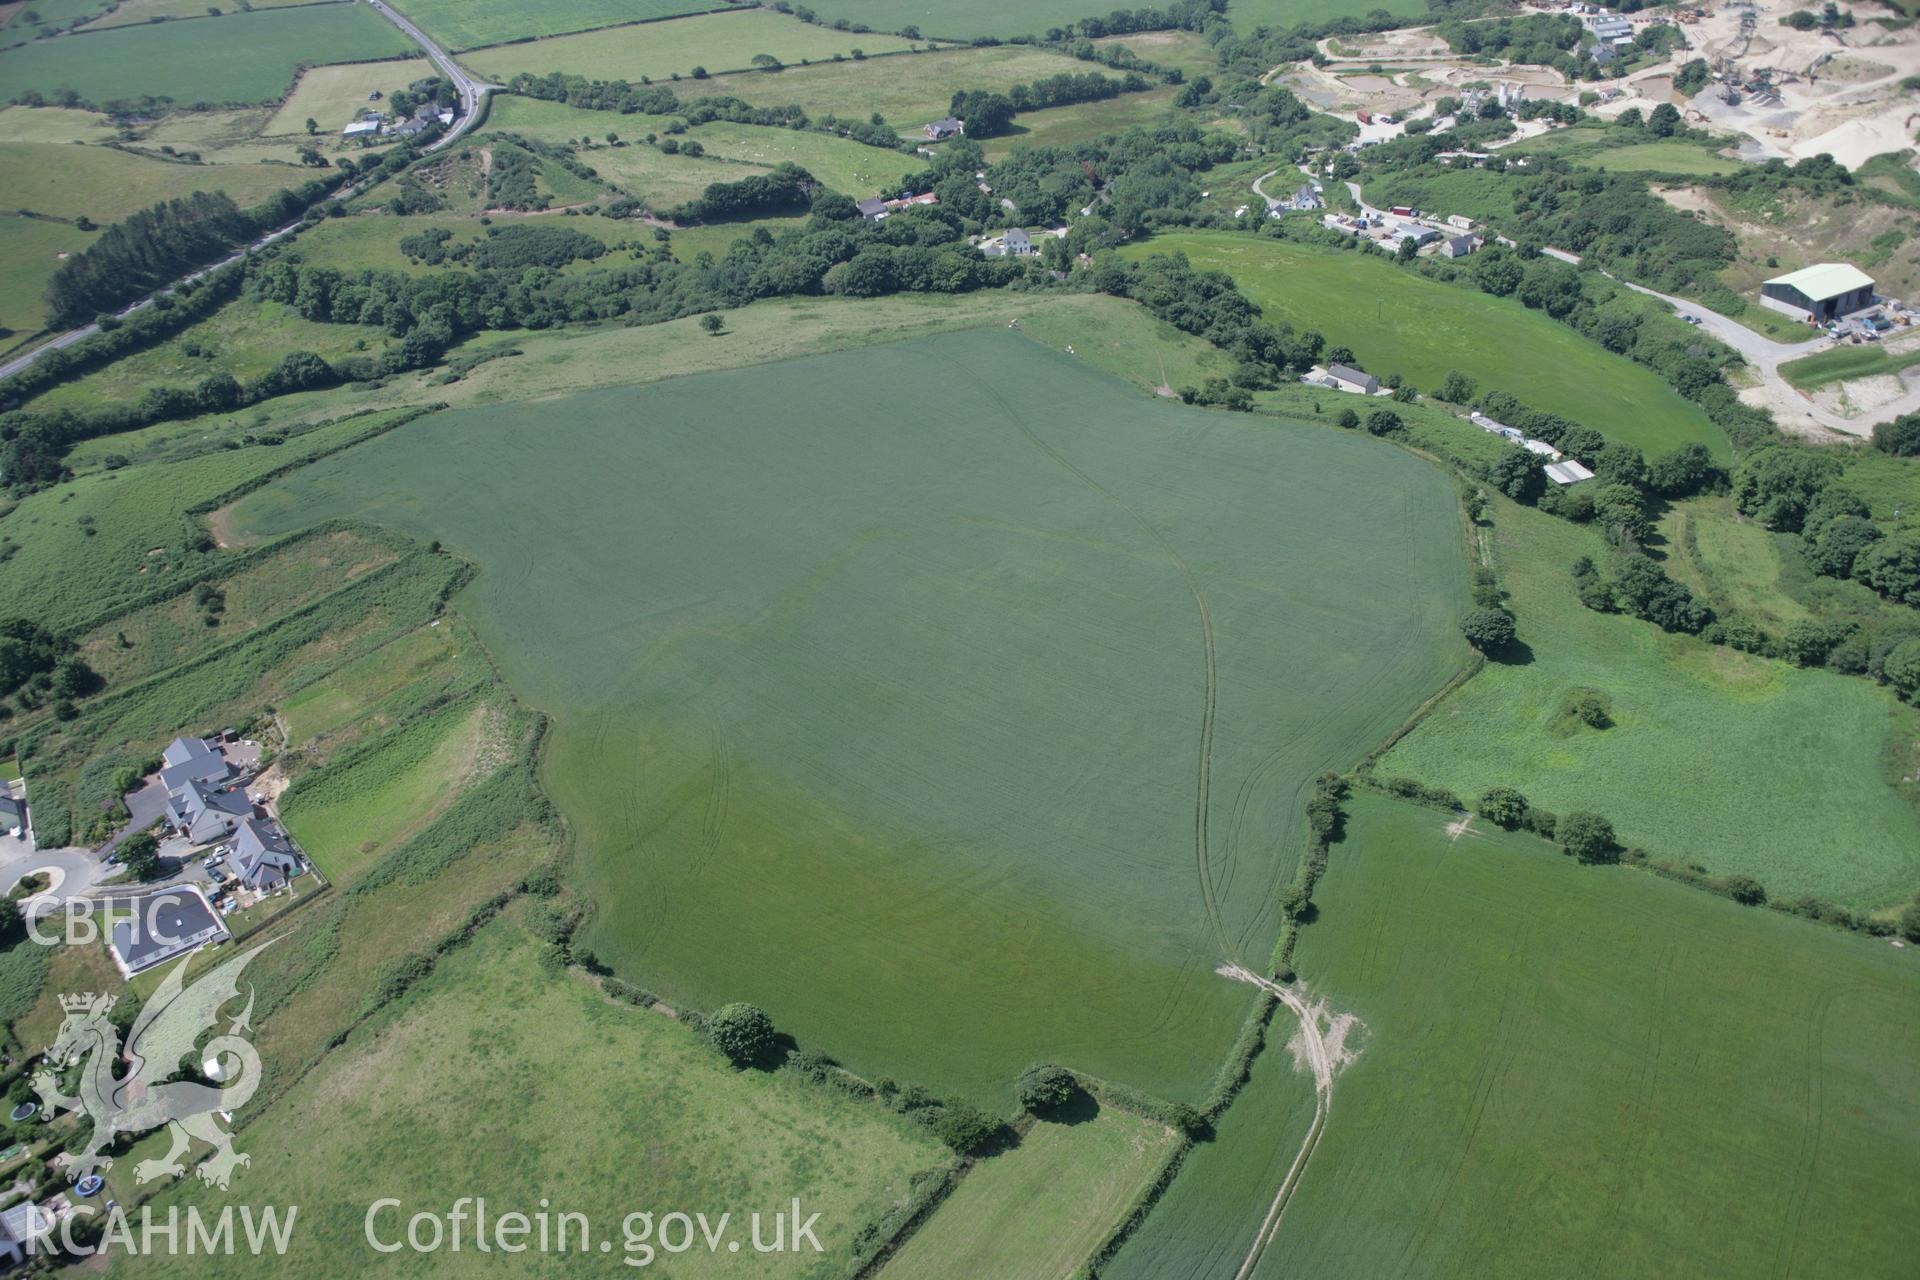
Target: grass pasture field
1039,1210
30,252
1248,14
740,709
1575,1062
1081,122
106,184
333,96
1604,148
1794,791
852,168
468,24
134,12
717,41
236,58
1399,322
907,89
392,1113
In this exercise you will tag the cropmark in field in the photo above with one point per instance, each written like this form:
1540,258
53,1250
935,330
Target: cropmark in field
950,699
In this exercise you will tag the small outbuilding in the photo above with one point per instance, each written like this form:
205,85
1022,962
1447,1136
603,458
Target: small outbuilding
1825,291
1459,246
873,208
1567,472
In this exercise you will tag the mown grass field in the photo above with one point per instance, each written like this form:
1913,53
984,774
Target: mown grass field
853,168
1399,322
1617,150
1838,364
741,707
907,89
132,12
240,57
1039,1210
1563,1062
30,252
1794,788
333,97
465,24
488,1035
663,50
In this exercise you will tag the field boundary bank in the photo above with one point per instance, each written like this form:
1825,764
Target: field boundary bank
88,28
720,6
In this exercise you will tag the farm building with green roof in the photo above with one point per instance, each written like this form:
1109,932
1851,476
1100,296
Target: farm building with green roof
1825,291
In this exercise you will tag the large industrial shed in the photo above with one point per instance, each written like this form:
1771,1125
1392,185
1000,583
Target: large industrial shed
1823,292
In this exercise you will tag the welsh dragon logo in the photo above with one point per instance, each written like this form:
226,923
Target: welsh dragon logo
165,1035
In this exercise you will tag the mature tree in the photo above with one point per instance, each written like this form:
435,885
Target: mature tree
1901,437
1902,669
1807,642
313,126
1588,837
1046,1087
1837,549
1686,470
712,323
963,1129
1348,418
1664,120
1777,484
743,1033
1488,630
1384,422
1643,589
1517,473
1458,388
141,854
1910,921
1891,566
1745,890
1621,513
1502,806
11,919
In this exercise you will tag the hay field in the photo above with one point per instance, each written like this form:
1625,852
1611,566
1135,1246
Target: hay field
1399,322
746,597
1565,1062
717,41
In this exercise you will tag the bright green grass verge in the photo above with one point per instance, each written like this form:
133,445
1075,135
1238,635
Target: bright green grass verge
1745,764
717,41
907,89
30,252
242,57
465,24
742,706
392,1113
1837,364
1039,1210
1570,1068
1397,321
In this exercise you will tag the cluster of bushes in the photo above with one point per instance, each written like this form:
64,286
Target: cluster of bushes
1587,836
1641,588
786,188
39,666
1209,305
988,112
510,248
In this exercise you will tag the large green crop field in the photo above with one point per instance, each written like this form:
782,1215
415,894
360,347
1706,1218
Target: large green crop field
465,24
30,252
785,621
718,41
107,184
1742,763
1399,322
241,57
498,1078
1564,1062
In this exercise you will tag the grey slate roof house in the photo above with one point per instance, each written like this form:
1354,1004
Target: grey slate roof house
1460,246
945,128
206,814
1347,379
191,760
20,1227
163,925
873,208
1019,243
263,857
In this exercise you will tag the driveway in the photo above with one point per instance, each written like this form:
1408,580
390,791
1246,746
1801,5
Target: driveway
147,806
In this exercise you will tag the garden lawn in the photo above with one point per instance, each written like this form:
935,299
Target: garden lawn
1741,763
567,1082
1039,1210
717,41
465,24
238,58
1569,1067
745,598
1397,321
